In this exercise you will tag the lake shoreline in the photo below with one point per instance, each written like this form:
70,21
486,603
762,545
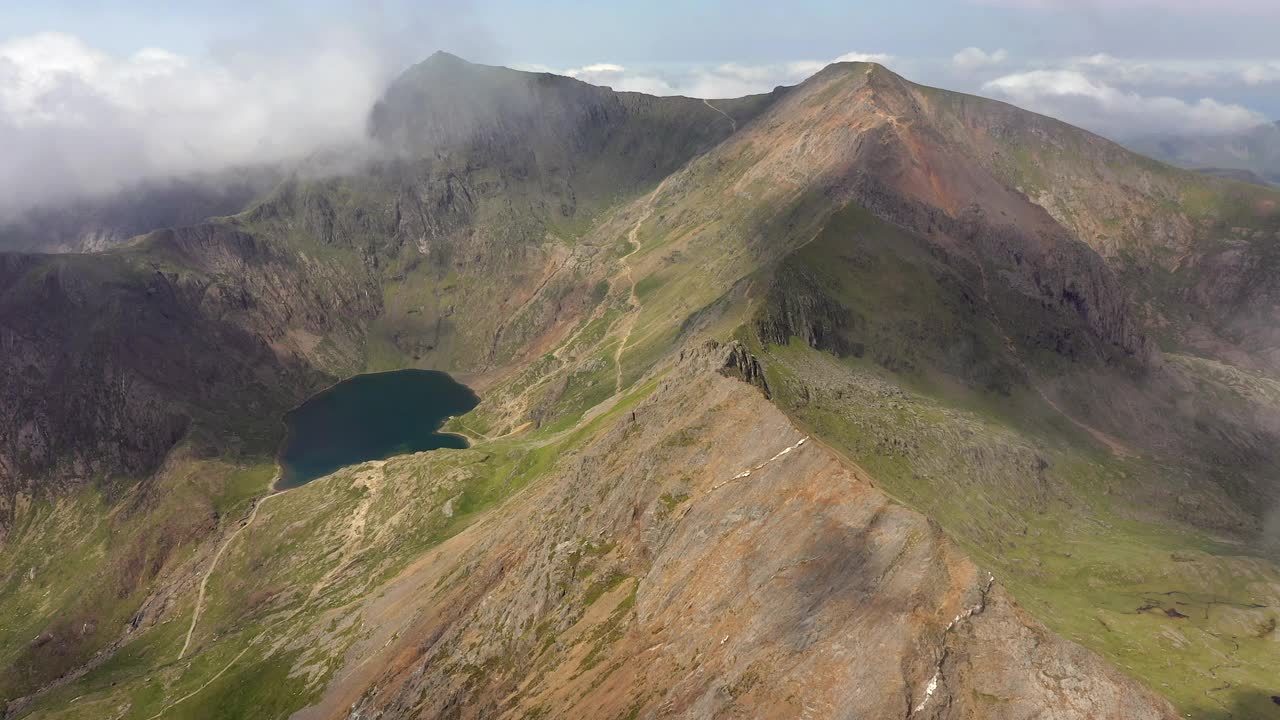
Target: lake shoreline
370,416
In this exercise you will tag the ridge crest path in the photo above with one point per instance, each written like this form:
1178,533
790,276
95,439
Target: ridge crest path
727,116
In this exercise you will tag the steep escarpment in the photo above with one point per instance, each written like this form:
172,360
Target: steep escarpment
940,441
111,359
1163,229
594,140
856,137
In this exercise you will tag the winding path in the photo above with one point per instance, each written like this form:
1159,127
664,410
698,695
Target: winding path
630,320
198,690
632,299
204,581
726,115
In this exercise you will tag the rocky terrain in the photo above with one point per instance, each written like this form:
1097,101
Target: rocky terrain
620,602
859,398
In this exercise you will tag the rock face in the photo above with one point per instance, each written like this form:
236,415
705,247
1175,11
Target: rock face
583,144
751,573
733,361
221,326
639,530
111,359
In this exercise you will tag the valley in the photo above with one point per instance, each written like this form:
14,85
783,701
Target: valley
859,397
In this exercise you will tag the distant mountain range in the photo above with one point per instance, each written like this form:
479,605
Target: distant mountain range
1251,155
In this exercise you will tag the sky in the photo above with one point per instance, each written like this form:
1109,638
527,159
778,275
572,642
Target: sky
98,94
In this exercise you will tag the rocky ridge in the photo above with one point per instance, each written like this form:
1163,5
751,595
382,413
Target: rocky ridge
638,533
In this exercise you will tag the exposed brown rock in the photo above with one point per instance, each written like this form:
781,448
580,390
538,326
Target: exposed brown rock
780,583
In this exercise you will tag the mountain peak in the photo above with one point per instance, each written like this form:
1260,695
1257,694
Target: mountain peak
867,68
441,57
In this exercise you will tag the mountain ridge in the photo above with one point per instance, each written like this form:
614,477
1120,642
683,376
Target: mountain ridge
941,311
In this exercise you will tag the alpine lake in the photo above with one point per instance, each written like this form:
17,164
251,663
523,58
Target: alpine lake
371,417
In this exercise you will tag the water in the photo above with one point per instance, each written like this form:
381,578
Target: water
371,417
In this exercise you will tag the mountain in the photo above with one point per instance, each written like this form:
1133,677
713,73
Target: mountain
1252,155
1236,174
93,224
858,397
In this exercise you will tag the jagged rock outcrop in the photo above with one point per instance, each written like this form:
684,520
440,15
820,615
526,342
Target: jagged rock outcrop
731,359
797,305
740,363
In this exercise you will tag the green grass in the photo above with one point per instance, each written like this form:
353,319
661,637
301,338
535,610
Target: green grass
284,575
75,571
1062,524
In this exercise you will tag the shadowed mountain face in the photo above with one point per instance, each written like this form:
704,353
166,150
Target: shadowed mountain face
91,225
771,386
1251,155
294,289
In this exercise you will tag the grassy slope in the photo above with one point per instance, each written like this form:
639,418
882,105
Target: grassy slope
1067,538
1069,527
77,569
279,610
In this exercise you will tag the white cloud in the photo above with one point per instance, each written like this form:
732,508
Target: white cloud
1145,75
973,58
1075,97
880,58
77,120
726,80
1261,73
597,68
1164,73
614,76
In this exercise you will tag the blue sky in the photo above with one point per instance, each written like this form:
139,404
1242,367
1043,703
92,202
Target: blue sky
561,31
920,35
88,87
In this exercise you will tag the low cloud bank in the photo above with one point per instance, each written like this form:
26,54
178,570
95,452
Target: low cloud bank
76,121
1078,98
725,80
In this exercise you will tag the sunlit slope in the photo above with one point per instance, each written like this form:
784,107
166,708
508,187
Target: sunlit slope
635,535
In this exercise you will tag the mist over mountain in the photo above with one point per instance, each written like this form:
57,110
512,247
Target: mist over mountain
90,223
785,388
81,123
1254,151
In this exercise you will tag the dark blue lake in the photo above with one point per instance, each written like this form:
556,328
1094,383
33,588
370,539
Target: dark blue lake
371,417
